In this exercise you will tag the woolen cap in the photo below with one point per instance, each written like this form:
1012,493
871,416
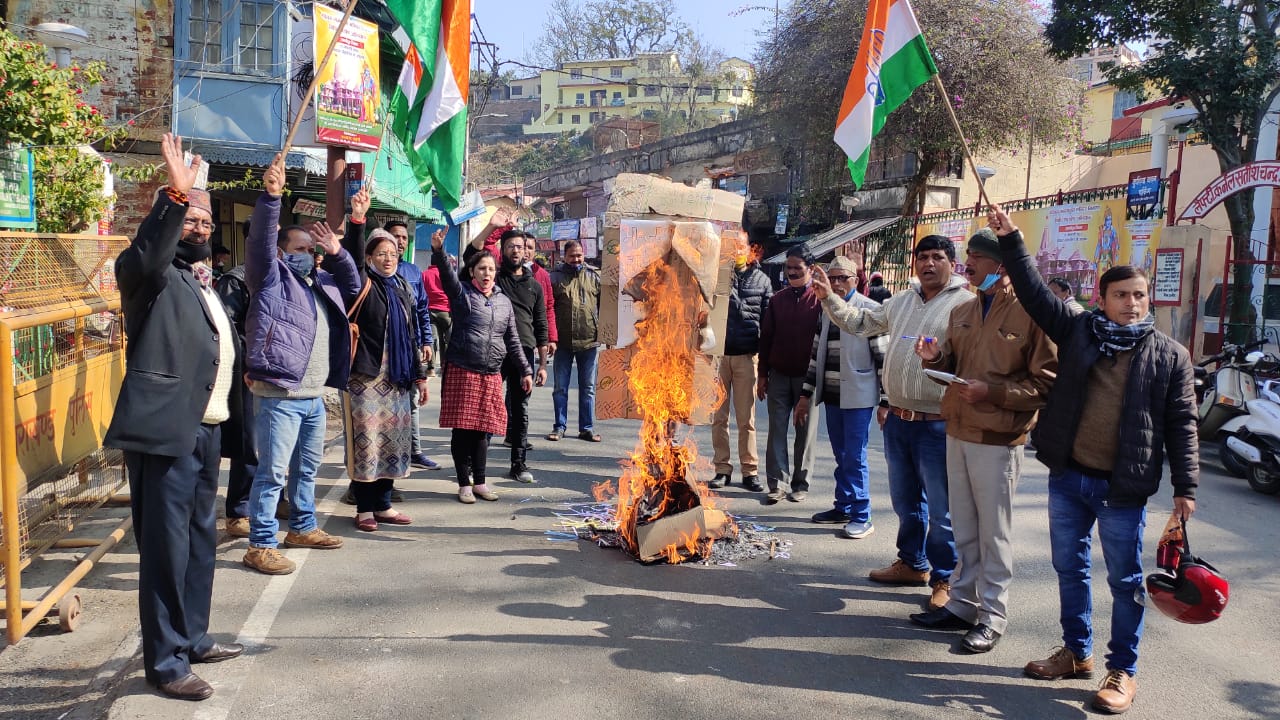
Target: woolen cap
842,263
985,243
199,199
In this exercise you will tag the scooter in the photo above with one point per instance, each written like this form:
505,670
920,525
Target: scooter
1224,395
1255,438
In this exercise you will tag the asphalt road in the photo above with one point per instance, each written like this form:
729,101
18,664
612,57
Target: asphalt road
473,612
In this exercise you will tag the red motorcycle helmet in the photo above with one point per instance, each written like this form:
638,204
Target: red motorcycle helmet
1187,588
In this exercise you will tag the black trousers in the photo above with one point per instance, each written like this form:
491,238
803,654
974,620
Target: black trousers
372,496
469,449
441,326
175,528
518,410
244,465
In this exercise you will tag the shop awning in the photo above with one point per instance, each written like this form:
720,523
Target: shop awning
824,243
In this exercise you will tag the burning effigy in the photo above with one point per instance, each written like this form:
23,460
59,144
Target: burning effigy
664,302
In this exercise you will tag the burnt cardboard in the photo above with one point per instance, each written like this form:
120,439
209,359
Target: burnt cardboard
704,523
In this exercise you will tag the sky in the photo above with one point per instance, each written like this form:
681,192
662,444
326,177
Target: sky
516,25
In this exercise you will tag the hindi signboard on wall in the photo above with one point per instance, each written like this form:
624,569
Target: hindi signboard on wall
17,194
1166,289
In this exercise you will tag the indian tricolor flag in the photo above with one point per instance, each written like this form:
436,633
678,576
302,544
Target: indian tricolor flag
430,103
893,60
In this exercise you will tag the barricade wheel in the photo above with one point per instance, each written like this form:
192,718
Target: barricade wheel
69,613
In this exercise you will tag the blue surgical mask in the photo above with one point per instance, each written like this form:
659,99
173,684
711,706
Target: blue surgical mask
300,263
990,280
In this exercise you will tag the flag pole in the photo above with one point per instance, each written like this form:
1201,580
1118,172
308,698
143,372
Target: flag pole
315,77
964,143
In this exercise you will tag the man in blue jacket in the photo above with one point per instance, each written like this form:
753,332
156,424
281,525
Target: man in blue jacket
179,378
298,344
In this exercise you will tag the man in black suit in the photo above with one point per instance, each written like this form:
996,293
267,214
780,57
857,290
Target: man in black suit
178,380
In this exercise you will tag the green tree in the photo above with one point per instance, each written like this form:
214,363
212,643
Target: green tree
991,56
42,107
1219,55
578,30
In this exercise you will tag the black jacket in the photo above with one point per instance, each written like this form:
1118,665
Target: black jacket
530,305
371,317
748,298
484,331
235,295
1159,412
171,360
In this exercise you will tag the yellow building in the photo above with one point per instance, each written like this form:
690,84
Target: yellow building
581,94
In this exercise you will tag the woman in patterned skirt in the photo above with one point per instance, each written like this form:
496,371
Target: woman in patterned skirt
387,367
472,401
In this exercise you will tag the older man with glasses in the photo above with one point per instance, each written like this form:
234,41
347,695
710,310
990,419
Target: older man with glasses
844,373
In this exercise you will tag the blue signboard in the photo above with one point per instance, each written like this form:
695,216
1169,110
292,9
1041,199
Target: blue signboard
564,230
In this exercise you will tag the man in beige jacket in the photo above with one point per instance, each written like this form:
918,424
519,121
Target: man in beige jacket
1004,366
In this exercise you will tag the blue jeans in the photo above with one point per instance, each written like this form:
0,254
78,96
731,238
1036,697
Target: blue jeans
290,445
917,456
849,430
563,368
1076,501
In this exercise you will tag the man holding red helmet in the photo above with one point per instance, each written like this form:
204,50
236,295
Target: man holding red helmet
1115,371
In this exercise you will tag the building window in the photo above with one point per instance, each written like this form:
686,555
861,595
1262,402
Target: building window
737,91
1121,101
654,64
575,119
580,99
615,72
516,91
631,91
704,91
652,90
596,117
679,91
575,74
242,36
559,118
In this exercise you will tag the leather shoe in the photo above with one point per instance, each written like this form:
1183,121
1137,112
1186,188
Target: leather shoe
219,652
980,639
187,687
719,481
940,619
752,483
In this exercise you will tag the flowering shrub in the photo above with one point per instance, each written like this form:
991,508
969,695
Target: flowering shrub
42,107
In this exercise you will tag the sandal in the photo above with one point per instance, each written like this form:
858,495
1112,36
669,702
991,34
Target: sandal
589,436
396,519
367,524
465,495
553,436
485,494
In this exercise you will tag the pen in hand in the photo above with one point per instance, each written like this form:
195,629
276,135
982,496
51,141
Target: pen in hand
927,339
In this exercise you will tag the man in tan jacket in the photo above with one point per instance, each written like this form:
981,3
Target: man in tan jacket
1004,365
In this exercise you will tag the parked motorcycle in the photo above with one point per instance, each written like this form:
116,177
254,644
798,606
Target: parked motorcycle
1255,438
1224,394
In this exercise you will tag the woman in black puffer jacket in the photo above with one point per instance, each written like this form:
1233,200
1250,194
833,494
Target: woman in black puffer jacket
484,334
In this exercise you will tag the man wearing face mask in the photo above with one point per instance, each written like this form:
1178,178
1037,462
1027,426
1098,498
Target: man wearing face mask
179,380
529,305
1007,365
748,299
787,328
299,344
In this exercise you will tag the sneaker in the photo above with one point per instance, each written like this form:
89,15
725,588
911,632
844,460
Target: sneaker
1061,664
831,517
858,530
421,460
941,594
752,483
797,495
719,481
349,497
520,474
238,527
315,538
1116,694
772,497
268,561
900,573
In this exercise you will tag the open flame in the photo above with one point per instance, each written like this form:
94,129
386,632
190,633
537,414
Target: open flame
660,480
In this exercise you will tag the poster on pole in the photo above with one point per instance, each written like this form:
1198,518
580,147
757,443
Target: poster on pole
1167,288
17,194
348,107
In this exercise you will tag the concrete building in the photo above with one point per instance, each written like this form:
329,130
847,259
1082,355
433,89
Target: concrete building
581,94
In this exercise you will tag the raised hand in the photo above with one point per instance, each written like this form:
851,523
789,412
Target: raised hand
360,203
181,177
325,237
273,176
503,217
821,285
998,220
437,239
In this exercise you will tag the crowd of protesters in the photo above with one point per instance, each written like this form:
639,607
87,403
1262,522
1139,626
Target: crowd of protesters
236,362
